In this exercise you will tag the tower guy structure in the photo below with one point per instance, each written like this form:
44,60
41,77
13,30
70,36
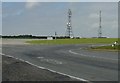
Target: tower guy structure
100,26
69,32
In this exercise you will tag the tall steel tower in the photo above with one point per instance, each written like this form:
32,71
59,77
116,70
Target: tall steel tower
100,27
69,32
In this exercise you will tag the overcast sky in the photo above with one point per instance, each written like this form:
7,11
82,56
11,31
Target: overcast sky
59,0
44,18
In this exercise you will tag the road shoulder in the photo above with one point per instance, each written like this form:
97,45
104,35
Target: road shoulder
15,70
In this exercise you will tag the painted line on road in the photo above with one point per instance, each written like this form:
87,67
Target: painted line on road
72,52
50,60
90,56
81,79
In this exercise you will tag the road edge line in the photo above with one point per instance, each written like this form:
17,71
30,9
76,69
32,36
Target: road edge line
70,51
81,79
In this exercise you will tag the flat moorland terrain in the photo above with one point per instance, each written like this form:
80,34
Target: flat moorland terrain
80,41
75,41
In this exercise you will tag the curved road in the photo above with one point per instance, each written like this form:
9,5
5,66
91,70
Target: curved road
72,60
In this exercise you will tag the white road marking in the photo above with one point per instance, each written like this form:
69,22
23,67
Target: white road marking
53,61
81,79
40,57
72,52
90,56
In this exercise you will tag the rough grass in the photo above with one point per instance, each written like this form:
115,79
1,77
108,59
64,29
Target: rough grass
107,47
75,41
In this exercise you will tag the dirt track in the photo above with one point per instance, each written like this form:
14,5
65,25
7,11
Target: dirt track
15,41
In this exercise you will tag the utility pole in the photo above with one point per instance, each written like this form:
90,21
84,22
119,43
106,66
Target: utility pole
55,35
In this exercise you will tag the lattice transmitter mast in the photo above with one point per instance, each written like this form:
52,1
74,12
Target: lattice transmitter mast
100,27
69,32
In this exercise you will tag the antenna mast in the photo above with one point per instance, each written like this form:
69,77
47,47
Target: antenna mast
69,32
100,27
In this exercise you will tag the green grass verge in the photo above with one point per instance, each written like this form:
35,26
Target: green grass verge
75,41
106,48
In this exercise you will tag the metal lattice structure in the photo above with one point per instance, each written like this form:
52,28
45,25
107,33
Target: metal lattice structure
100,27
69,32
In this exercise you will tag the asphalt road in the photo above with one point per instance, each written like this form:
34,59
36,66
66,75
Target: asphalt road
72,60
16,70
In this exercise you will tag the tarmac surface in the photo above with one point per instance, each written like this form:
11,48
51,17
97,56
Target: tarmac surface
16,70
70,60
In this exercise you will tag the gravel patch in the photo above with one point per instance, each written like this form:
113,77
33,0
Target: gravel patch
15,41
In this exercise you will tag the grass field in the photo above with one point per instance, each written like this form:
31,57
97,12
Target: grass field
75,41
80,41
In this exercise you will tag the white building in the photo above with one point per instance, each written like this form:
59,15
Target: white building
49,38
